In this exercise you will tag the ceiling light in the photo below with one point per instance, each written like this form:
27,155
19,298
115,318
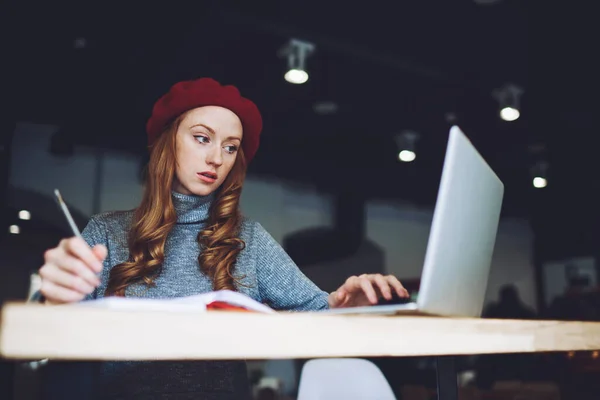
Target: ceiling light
509,97
539,173
407,156
509,114
296,76
296,51
14,229
406,142
24,215
539,182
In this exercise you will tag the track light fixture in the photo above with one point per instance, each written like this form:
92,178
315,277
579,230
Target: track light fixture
539,168
406,142
296,51
509,97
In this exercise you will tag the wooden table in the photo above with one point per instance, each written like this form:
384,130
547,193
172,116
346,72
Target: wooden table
78,333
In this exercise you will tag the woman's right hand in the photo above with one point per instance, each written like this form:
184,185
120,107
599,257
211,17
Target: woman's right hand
70,270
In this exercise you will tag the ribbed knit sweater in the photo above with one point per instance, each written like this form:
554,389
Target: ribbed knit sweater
270,277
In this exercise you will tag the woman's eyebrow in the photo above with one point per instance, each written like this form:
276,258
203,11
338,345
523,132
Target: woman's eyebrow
211,130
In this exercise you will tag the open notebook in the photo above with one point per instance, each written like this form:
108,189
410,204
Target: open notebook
224,300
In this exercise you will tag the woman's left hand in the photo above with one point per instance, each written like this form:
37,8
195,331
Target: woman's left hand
365,290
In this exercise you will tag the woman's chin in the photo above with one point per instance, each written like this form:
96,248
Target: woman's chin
196,190
201,190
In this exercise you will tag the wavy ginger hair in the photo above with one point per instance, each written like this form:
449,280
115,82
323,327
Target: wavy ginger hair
155,217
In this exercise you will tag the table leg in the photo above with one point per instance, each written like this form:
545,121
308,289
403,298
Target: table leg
447,379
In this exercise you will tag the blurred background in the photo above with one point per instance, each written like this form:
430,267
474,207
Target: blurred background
357,101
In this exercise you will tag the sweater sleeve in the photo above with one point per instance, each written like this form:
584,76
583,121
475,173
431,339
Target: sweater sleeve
95,233
281,283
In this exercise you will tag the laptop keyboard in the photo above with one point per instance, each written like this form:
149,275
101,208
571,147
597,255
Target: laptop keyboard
395,300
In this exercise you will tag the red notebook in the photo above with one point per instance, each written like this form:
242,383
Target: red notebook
224,306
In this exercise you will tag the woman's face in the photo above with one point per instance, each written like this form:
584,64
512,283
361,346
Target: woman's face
207,143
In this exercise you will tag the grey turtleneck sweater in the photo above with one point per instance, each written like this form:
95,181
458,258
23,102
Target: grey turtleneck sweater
270,277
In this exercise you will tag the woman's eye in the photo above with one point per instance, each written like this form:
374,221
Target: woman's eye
201,139
231,149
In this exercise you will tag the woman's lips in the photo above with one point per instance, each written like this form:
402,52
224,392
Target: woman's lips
208,177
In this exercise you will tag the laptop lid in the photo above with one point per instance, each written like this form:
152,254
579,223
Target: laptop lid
463,233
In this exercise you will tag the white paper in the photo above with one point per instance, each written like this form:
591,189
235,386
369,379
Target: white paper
195,303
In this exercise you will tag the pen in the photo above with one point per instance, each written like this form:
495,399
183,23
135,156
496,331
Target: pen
66,212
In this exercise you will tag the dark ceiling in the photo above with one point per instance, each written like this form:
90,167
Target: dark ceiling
389,66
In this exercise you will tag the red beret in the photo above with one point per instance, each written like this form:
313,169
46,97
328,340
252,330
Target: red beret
187,95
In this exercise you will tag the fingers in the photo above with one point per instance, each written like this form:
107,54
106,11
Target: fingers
58,294
337,298
67,256
76,267
383,286
61,277
341,295
100,252
70,270
395,283
365,284
79,248
357,288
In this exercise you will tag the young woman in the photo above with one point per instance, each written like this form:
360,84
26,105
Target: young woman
187,237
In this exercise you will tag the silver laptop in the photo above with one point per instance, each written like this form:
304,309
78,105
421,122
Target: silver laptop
461,240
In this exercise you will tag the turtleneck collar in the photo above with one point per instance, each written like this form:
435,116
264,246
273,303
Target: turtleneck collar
191,208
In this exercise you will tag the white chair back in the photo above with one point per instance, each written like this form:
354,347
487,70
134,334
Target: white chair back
343,378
